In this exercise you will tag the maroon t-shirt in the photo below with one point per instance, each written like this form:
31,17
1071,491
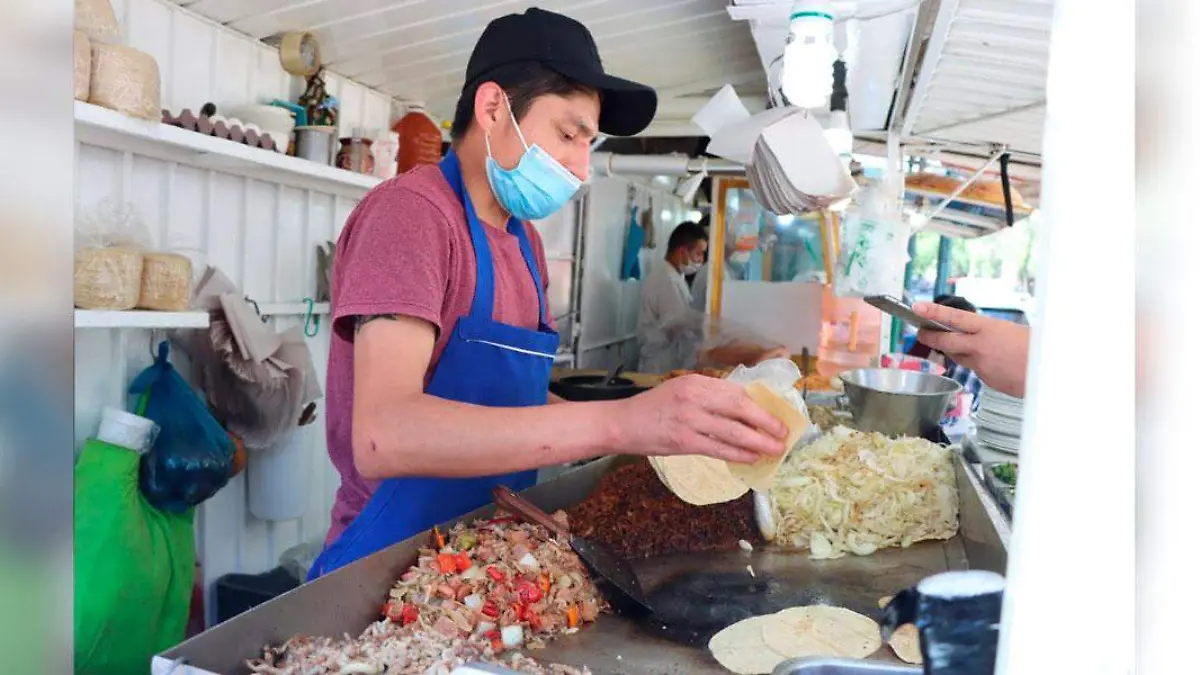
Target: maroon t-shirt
406,250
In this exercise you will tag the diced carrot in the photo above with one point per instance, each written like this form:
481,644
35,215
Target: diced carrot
573,616
446,563
544,583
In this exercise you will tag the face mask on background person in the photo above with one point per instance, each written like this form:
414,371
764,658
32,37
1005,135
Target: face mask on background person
536,187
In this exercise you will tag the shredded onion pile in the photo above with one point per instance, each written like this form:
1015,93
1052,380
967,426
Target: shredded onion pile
857,492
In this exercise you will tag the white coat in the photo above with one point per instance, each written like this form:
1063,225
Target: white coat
667,324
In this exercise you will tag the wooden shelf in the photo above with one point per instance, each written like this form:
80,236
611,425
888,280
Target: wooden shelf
93,318
106,128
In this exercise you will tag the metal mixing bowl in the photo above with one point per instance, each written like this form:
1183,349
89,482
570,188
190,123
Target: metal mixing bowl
899,402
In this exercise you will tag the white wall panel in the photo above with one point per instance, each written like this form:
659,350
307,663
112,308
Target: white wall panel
260,234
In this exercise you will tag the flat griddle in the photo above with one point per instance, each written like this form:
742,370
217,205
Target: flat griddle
348,600
707,592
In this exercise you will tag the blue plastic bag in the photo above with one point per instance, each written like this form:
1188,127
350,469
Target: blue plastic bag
192,457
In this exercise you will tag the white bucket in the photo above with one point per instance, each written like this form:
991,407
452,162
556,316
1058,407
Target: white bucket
126,430
278,478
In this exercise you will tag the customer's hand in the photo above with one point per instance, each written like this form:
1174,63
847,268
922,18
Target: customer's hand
698,415
997,350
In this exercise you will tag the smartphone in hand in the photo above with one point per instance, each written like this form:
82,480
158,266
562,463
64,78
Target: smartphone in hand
894,307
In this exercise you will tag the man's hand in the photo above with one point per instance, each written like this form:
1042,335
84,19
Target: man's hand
697,415
997,350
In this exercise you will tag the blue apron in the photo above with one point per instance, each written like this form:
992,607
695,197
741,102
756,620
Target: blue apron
484,363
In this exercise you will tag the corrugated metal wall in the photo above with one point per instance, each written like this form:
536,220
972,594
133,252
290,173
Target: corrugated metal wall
261,235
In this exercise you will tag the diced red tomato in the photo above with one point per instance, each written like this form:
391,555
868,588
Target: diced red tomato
535,621
528,591
495,574
462,562
392,611
446,563
490,609
403,615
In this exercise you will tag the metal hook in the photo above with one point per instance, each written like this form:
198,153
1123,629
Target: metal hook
256,309
154,344
311,319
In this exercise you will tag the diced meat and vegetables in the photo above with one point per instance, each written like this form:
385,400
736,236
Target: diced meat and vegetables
629,508
480,593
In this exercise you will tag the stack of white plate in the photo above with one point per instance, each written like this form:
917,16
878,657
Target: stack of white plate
998,422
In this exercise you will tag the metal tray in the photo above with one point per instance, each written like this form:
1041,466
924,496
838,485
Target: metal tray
823,666
1003,492
348,600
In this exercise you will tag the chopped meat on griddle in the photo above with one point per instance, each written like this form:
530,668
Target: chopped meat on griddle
635,515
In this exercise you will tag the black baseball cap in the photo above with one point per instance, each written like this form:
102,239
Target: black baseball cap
565,46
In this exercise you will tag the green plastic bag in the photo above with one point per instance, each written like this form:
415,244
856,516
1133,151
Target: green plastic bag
134,567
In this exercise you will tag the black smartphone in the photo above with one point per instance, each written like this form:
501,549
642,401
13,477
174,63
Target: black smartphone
890,305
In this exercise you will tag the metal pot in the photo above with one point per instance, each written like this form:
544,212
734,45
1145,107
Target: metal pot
316,143
899,402
593,388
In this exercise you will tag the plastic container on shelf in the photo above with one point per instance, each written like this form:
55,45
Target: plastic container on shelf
850,334
355,154
420,139
387,144
126,430
278,477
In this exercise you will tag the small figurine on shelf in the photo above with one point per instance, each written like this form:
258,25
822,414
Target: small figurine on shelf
321,108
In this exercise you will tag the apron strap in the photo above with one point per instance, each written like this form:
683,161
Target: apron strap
517,228
485,280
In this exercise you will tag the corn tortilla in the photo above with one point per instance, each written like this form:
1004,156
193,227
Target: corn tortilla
741,649
906,643
760,475
699,480
818,630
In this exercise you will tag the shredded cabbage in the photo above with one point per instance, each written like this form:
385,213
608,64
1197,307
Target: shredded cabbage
850,491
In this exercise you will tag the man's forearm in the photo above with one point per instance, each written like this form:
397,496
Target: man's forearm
423,435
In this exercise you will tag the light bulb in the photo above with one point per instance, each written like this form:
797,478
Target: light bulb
807,77
839,136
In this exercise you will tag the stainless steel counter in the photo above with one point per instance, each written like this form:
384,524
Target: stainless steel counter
348,600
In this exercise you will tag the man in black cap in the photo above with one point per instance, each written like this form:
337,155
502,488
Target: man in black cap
440,360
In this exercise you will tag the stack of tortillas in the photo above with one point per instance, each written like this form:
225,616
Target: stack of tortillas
755,646
702,481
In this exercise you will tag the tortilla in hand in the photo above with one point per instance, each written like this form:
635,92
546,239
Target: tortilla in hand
760,475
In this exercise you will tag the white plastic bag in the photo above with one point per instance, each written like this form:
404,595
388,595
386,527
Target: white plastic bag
780,376
874,248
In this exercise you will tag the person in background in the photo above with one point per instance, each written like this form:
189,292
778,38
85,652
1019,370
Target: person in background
442,347
667,337
995,350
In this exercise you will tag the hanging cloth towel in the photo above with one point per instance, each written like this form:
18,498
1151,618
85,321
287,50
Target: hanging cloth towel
631,267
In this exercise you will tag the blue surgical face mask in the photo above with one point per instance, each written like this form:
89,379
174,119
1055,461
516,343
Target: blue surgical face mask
534,189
